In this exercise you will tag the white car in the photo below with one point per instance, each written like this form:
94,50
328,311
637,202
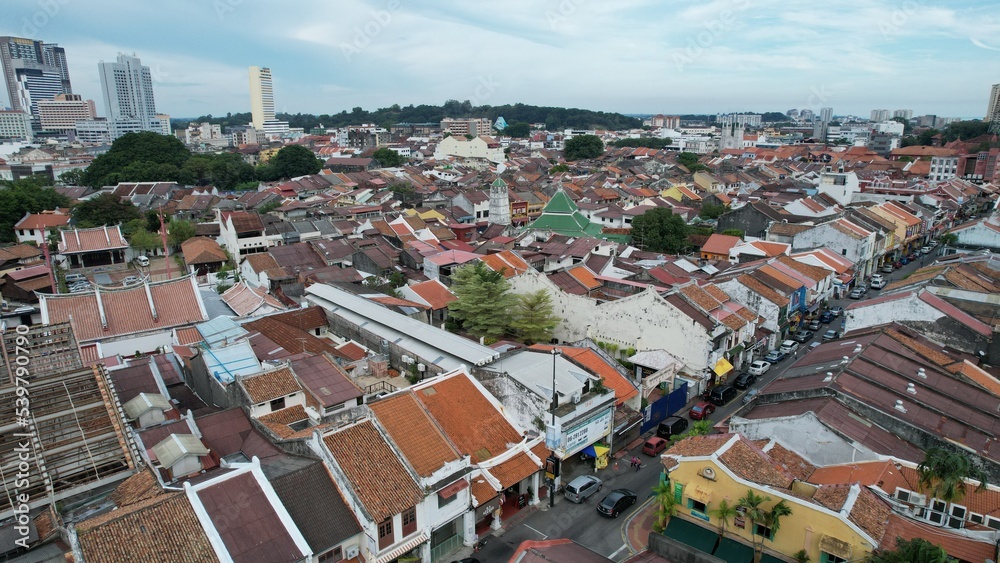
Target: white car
759,367
131,280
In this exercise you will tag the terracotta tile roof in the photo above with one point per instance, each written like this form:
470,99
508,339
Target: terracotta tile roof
307,318
291,338
316,507
507,261
19,252
43,220
351,351
137,488
593,362
245,300
698,446
583,275
415,433
270,385
790,461
383,485
202,250
700,297
472,422
832,496
390,301
812,272
482,491
163,528
870,513
720,244
188,335
766,292
750,463
960,547
127,311
243,221
91,240
435,293
515,469
261,262
278,421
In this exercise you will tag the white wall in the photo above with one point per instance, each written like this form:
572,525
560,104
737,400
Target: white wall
908,309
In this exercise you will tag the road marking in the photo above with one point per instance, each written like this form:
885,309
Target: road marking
544,537
617,551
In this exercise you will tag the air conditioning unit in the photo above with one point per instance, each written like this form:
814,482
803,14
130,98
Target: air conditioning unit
576,397
350,552
708,473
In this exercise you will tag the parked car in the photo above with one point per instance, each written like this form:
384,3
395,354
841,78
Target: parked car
581,488
879,284
803,336
75,277
831,335
670,426
926,249
722,395
903,261
744,380
759,367
827,317
856,293
751,395
131,280
887,268
789,347
814,345
774,356
837,310
877,277
814,325
142,261
654,446
912,257
701,410
616,502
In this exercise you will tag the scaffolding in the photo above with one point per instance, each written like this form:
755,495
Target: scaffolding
48,348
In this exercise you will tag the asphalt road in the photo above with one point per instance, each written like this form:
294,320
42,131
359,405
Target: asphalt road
583,524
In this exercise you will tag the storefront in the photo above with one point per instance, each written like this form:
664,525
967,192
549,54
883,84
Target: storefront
721,370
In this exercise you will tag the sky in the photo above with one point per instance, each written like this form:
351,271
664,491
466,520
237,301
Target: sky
629,56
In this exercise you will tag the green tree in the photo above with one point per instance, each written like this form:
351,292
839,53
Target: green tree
105,209
143,240
750,505
647,142
534,318
388,158
71,177
517,130
659,230
558,168
583,146
295,160
139,154
484,303
943,474
687,159
666,505
27,195
724,512
733,232
711,210
180,231
917,550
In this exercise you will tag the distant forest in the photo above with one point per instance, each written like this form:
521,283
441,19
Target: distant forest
554,118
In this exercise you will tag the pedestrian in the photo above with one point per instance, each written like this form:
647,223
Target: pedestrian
638,465
631,462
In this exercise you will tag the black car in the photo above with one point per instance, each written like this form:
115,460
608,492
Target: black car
827,317
616,502
744,380
803,336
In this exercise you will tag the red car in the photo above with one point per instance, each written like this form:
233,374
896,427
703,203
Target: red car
701,410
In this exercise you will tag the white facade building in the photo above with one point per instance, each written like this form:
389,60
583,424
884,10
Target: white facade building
127,86
15,125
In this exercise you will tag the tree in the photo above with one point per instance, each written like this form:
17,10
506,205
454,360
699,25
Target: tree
724,512
517,130
711,210
180,231
138,154
71,177
105,209
659,230
27,195
484,303
295,160
143,240
583,146
687,159
917,550
733,232
647,142
558,168
666,505
534,319
388,158
943,474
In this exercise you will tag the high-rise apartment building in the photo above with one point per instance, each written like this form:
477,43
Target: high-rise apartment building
32,71
904,113
128,97
261,96
993,109
880,115
62,113
15,125
826,115
474,126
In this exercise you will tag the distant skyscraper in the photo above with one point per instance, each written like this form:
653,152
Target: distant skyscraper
62,113
879,115
993,109
128,96
261,96
826,115
33,71
904,113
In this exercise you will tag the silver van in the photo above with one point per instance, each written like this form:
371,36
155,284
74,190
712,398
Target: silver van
582,487
788,347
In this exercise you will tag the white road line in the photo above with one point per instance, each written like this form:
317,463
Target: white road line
544,537
617,551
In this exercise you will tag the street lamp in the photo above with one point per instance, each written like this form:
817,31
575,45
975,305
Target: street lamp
553,406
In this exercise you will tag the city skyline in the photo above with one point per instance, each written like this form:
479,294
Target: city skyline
630,57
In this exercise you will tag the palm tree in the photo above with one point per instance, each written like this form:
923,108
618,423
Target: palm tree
773,517
723,512
943,474
667,505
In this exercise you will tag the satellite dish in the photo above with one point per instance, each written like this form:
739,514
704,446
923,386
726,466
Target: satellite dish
500,169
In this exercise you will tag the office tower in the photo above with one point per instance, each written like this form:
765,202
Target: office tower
61,113
32,71
15,125
128,95
261,96
904,113
826,115
879,115
993,109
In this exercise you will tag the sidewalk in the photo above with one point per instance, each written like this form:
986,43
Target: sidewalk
639,525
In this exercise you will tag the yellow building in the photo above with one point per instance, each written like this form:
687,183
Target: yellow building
426,215
832,523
